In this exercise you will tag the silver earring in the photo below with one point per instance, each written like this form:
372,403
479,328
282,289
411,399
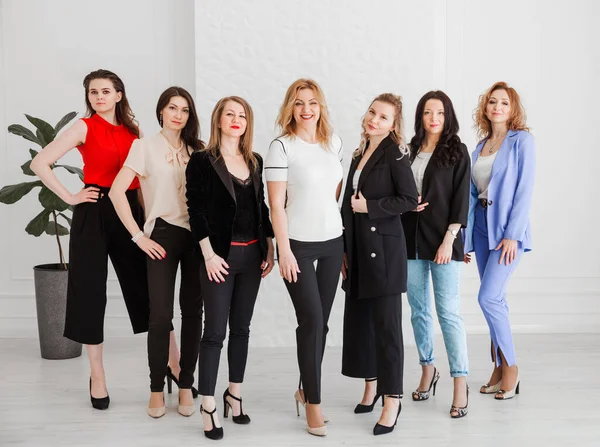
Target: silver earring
160,120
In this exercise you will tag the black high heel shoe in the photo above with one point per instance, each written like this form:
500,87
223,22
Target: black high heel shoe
241,418
171,378
460,411
101,403
383,429
418,396
215,433
361,408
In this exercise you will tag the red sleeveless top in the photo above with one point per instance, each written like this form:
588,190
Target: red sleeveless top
105,149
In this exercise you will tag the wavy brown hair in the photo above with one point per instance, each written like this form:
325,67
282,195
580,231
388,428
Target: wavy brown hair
190,134
396,133
516,120
123,112
286,121
214,143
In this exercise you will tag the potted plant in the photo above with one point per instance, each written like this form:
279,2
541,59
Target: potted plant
54,220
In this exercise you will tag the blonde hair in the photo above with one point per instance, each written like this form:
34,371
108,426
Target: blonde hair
214,143
396,133
516,120
286,121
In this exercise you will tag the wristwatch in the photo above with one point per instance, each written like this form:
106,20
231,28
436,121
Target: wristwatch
453,232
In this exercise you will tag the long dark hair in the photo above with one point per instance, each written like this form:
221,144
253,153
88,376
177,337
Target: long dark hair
448,146
190,134
123,113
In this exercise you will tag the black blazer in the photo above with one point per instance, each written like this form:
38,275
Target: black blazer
375,240
212,205
447,191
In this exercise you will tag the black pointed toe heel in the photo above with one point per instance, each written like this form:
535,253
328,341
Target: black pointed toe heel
99,403
383,429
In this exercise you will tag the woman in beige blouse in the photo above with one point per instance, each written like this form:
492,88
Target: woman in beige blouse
159,162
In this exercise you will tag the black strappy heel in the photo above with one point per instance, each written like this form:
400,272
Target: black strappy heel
241,418
171,378
215,433
361,408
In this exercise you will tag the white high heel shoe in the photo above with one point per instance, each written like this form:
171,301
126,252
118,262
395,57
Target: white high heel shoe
490,389
504,395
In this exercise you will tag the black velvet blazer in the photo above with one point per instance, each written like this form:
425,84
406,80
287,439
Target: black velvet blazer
375,240
212,204
447,191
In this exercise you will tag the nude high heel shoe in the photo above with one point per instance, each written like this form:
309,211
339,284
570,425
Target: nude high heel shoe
300,401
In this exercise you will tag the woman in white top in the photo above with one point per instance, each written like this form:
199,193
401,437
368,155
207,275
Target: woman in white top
304,179
159,162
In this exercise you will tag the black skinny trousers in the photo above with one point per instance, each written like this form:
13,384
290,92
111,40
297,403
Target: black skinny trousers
233,301
182,250
312,296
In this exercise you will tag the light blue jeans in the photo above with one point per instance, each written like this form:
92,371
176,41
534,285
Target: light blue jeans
446,279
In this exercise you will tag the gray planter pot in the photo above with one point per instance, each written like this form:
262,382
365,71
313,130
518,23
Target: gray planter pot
51,304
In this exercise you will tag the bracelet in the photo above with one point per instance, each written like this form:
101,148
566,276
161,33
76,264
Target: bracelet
208,259
137,237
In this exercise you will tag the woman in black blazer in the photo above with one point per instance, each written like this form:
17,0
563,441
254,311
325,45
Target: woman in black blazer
441,167
230,219
379,188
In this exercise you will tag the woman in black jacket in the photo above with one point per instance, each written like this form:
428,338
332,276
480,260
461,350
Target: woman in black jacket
441,167
379,189
230,219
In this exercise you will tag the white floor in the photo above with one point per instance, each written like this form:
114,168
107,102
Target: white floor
46,403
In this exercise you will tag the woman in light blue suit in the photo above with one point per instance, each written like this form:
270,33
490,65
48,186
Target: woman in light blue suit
498,230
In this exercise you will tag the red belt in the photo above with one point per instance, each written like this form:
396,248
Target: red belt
245,244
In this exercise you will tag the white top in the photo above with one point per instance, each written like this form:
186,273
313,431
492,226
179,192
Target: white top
355,179
161,171
482,170
418,168
313,174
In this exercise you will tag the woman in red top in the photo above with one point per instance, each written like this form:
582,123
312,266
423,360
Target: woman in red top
104,139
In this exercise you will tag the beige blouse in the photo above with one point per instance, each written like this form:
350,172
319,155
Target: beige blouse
161,170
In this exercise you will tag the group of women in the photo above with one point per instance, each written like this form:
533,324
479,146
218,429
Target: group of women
408,212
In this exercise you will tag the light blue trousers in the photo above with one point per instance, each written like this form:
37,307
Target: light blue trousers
492,292
446,278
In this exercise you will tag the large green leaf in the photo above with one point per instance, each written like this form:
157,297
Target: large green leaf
64,121
51,229
13,193
26,168
41,138
33,153
39,223
51,201
24,132
72,170
67,218
45,131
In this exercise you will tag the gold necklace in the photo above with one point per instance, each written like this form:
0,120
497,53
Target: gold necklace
170,145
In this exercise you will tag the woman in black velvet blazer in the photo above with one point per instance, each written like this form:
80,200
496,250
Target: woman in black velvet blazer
380,187
229,218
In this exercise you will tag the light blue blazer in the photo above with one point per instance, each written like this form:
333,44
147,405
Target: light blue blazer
509,193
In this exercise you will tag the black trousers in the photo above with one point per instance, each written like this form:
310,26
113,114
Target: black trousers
312,296
182,250
373,344
231,300
97,234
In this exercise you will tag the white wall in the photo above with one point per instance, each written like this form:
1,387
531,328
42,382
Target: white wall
355,51
361,49
46,49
